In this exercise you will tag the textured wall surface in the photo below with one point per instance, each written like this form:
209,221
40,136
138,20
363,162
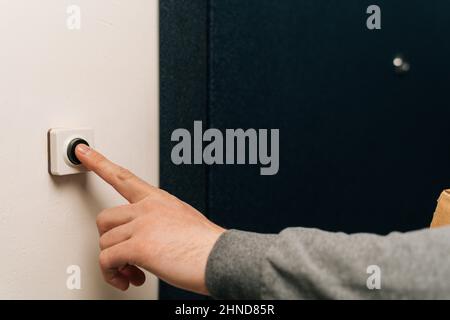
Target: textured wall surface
104,76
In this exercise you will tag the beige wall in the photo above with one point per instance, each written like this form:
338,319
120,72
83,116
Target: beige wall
104,76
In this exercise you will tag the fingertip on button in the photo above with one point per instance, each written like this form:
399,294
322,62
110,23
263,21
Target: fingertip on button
82,148
71,155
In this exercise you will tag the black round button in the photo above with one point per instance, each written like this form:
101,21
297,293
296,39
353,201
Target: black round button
71,150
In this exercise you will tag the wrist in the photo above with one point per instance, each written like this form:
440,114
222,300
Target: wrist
216,233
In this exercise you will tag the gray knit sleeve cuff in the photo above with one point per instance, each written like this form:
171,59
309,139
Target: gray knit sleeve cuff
233,270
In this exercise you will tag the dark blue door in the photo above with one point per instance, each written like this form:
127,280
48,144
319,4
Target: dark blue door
363,148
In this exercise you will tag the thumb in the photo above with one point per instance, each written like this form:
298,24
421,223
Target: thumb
126,183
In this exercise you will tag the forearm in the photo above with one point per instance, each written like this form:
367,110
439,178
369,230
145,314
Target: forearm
303,263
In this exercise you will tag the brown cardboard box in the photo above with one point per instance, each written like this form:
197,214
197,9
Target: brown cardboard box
442,214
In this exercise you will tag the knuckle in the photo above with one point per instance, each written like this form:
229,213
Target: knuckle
102,242
101,221
131,212
124,174
103,259
99,161
143,207
170,198
137,224
148,205
178,203
164,195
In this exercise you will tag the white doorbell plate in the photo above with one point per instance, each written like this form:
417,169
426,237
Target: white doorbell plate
62,143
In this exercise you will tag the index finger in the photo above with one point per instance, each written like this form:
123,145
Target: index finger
126,183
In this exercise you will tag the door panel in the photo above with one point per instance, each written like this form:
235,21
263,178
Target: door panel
361,148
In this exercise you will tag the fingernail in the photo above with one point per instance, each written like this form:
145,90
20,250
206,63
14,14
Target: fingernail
83,149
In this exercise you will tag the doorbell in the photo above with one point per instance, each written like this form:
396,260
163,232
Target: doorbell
61,149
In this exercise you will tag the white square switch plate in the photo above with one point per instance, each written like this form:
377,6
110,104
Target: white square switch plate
61,143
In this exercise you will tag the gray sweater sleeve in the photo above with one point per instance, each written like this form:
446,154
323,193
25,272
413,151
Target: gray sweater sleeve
304,263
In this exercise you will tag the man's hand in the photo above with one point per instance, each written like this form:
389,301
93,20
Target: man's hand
156,232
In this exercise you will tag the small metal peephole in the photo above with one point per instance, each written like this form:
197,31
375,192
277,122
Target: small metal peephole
401,64
71,150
